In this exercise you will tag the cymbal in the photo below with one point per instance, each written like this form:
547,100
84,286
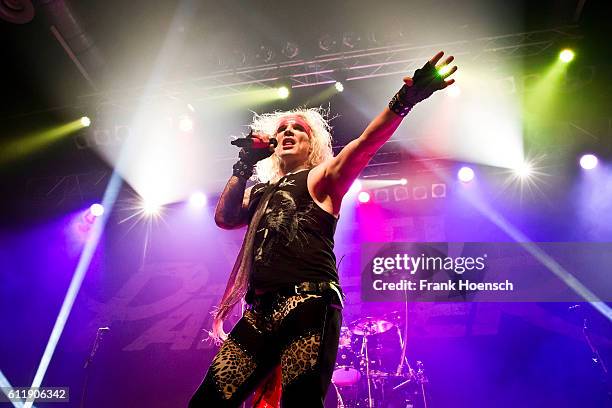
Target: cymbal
370,325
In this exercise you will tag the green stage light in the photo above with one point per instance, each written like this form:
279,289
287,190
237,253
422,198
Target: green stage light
85,121
566,55
444,70
283,92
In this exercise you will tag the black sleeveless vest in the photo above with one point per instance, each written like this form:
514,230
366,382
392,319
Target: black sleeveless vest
294,240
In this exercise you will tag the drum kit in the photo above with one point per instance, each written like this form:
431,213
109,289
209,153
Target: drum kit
372,370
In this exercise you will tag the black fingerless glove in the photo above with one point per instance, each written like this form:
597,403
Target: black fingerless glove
243,168
425,82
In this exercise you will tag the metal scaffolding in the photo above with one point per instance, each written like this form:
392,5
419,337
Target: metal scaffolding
346,66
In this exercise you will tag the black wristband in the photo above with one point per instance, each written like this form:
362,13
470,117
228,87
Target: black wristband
398,103
242,169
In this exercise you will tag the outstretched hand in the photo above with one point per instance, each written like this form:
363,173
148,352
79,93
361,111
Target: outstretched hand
431,75
426,80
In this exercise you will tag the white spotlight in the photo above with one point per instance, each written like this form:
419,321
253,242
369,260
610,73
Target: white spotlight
96,209
465,174
185,123
85,121
588,161
198,200
151,208
339,87
524,170
283,92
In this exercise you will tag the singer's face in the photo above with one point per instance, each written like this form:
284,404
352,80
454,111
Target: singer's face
293,141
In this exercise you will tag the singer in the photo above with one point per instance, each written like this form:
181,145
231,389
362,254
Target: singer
287,338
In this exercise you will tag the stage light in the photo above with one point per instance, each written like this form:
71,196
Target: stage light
588,161
265,54
351,39
96,209
363,197
283,92
185,123
525,170
566,55
381,195
454,91
327,42
85,121
290,50
419,193
438,190
339,87
151,208
465,174
197,200
403,182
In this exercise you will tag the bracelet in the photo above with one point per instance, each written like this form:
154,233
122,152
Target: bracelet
398,103
242,170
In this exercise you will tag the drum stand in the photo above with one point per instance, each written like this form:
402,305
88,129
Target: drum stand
364,351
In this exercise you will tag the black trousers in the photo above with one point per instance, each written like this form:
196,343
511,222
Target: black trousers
299,332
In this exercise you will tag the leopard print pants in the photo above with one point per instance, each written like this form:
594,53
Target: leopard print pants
299,332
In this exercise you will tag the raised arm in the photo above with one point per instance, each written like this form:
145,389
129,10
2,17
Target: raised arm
340,172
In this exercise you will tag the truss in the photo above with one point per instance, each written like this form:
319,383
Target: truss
345,66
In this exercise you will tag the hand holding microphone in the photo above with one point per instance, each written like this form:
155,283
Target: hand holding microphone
255,141
255,147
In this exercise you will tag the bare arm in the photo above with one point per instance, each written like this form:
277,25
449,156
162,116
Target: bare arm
232,208
340,172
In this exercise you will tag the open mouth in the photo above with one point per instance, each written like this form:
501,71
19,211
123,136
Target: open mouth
288,143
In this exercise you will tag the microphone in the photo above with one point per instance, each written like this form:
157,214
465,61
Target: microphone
254,143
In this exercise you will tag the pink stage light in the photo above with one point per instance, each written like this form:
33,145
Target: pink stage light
363,197
465,174
588,161
96,209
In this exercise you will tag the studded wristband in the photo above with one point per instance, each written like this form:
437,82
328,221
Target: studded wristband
398,104
242,170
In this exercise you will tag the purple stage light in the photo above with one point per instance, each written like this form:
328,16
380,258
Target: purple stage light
465,174
588,161
96,209
197,200
363,197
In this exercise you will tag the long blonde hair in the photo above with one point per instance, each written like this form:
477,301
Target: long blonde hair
320,139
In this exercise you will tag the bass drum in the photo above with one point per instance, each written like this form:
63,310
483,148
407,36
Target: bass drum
347,368
333,399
